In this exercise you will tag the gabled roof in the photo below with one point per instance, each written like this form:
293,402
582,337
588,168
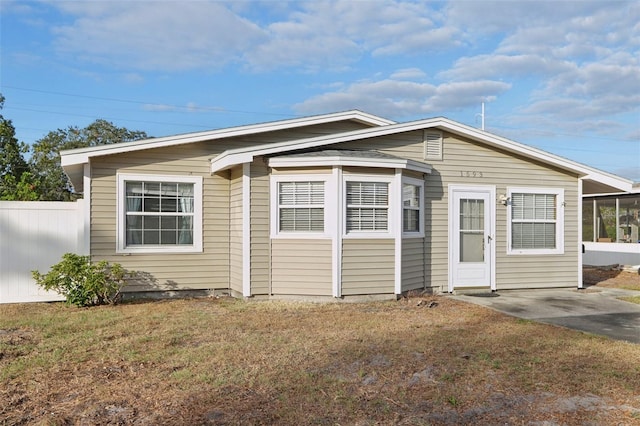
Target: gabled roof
595,180
72,160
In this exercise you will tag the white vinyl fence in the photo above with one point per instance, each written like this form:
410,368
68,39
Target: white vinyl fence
33,236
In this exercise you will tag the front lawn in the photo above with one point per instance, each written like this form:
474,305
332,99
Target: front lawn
224,361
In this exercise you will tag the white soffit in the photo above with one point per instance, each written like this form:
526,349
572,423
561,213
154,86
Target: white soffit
337,160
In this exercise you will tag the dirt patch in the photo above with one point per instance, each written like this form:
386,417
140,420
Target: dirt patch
613,276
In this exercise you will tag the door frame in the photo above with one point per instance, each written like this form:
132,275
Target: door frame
491,211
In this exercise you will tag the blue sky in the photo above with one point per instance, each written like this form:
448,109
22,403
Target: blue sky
563,76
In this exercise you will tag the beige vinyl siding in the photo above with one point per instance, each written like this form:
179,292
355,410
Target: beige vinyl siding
206,270
235,231
498,168
260,247
293,134
301,267
413,262
211,268
368,266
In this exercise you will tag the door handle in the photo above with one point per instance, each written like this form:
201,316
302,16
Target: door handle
489,239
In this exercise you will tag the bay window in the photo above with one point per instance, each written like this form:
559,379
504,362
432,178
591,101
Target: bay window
412,207
301,206
367,206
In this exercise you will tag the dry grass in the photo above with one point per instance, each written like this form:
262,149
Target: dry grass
223,361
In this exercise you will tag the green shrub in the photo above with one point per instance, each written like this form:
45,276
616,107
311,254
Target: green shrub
82,282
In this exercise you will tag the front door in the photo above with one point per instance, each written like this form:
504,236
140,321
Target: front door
471,234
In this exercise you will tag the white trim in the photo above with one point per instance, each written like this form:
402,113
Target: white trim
120,214
395,198
419,183
336,160
240,154
274,229
594,234
391,207
617,219
335,221
560,203
85,244
491,189
246,229
82,155
580,285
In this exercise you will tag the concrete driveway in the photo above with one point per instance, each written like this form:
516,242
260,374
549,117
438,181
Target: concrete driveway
595,310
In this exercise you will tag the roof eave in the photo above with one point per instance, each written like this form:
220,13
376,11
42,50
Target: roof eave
337,160
82,155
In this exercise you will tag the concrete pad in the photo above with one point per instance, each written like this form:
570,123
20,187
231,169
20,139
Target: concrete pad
596,311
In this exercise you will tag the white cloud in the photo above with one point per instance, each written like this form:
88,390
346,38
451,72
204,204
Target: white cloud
497,65
159,107
409,74
154,35
397,99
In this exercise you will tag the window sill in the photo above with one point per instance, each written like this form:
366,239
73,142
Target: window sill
534,252
159,250
300,236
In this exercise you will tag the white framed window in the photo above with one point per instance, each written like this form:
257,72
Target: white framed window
367,205
535,221
299,206
159,214
412,207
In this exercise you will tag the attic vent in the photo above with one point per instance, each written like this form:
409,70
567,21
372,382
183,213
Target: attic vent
432,146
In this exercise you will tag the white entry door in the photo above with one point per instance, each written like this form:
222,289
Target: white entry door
471,235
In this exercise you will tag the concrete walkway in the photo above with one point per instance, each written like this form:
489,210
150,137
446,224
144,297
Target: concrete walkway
595,310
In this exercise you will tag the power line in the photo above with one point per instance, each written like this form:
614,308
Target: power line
144,103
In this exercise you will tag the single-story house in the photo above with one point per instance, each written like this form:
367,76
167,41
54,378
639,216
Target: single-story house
611,228
336,206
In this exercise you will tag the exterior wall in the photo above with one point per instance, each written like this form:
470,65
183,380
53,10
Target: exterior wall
368,266
301,267
34,236
176,271
212,268
491,167
235,230
413,264
260,247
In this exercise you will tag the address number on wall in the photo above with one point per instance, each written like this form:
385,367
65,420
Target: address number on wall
471,173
